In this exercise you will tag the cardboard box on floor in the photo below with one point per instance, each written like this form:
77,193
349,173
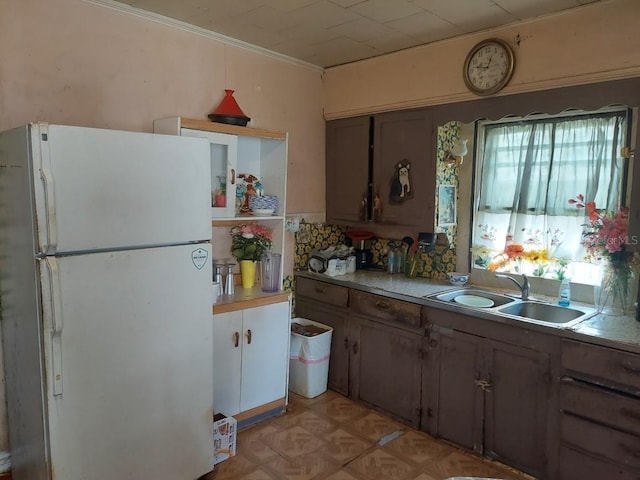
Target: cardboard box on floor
224,437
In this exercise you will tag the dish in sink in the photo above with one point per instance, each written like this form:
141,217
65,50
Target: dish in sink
452,297
474,301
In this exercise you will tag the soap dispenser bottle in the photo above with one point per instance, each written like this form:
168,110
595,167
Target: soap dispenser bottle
564,294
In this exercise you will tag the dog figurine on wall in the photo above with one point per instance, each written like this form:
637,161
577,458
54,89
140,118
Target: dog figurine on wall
401,183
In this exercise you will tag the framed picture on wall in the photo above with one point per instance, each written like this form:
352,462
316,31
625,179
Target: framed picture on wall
447,205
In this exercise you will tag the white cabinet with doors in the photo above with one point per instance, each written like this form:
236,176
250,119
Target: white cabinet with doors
237,151
251,358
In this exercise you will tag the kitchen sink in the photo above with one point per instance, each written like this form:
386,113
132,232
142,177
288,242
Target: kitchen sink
497,299
547,312
505,306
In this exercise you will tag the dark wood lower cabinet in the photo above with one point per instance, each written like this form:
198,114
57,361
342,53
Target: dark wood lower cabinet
454,410
516,406
600,422
386,365
491,397
555,408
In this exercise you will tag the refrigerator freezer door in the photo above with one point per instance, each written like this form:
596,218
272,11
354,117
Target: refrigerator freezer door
102,189
135,363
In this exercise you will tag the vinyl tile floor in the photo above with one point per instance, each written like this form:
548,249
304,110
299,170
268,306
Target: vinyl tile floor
333,438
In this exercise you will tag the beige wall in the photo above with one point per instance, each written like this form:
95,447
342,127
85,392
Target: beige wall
79,63
592,43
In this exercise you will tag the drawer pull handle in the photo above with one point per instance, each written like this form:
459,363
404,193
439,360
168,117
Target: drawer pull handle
236,339
320,290
346,343
484,385
249,336
383,305
355,348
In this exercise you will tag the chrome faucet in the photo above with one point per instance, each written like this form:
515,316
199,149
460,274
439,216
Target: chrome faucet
524,287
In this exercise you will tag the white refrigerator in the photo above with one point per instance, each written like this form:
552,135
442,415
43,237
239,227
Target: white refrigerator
105,277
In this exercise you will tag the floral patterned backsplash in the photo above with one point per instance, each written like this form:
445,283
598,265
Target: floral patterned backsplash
317,236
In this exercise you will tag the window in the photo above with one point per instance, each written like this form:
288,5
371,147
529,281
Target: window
527,170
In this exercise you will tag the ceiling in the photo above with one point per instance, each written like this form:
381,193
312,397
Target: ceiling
326,33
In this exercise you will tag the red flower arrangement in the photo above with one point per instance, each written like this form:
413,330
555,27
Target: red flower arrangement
606,234
250,241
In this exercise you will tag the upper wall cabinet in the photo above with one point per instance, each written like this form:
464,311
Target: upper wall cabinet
242,158
381,169
347,177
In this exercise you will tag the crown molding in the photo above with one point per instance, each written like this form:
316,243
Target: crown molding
170,22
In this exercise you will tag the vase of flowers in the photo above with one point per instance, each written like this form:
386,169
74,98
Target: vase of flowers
248,243
605,238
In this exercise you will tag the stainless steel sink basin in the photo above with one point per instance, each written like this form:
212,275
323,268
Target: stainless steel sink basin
497,298
505,306
547,313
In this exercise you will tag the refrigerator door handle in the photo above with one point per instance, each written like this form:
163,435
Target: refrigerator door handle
49,195
56,323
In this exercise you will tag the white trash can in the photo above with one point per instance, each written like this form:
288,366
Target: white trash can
309,357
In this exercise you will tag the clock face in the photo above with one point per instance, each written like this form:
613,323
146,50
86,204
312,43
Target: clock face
488,67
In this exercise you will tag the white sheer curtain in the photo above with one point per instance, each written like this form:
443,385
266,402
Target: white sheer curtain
527,172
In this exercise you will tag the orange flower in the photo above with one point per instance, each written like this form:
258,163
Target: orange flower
514,250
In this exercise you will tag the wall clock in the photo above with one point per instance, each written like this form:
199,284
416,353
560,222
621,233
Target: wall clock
488,66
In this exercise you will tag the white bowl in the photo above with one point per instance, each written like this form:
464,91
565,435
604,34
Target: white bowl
458,279
263,212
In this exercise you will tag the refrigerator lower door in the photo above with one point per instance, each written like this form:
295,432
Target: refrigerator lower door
99,189
129,363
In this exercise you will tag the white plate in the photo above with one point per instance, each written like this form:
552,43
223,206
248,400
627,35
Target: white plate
474,301
263,212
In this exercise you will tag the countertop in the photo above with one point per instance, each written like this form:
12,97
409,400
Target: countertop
248,298
622,332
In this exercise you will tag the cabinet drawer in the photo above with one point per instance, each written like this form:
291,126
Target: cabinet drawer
604,406
603,365
621,448
576,465
322,292
383,308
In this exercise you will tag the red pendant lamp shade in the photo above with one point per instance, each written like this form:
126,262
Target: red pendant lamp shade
229,111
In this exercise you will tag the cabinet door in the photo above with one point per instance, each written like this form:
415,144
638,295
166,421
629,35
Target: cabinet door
337,319
265,354
516,406
407,197
224,158
389,368
459,399
227,358
347,169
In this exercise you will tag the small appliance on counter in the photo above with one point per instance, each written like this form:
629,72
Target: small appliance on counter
361,241
333,261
